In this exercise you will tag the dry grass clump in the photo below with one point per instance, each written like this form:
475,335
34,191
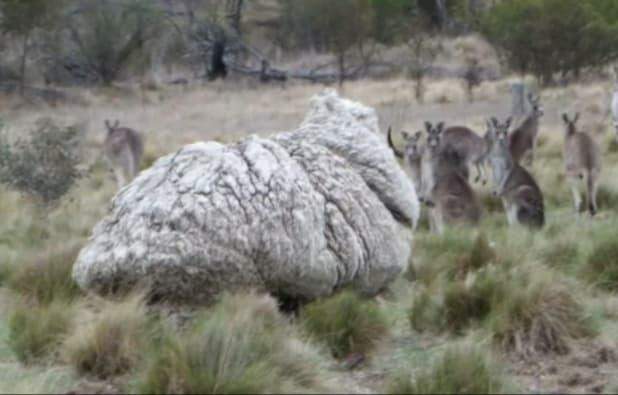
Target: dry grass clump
601,265
110,343
460,369
36,332
47,277
242,345
560,254
537,313
346,323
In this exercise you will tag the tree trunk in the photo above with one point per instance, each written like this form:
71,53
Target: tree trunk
22,67
341,65
442,14
234,14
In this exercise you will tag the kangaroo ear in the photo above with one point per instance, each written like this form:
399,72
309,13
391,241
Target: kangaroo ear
428,127
576,117
508,122
440,127
107,124
116,124
565,118
494,121
418,135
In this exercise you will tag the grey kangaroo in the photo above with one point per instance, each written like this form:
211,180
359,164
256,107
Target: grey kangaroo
521,196
522,141
412,155
123,148
446,192
582,160
470,147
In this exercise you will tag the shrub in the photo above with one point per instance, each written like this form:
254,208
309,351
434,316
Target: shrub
601,267
242,345
45,166
112,342
36,332
345,322
47,277
460,369
534,33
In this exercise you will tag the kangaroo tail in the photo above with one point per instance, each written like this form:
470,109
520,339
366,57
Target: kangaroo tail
398,154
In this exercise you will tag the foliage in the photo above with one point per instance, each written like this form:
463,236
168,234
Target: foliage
107,34
45,166
36,332
346,323
545,37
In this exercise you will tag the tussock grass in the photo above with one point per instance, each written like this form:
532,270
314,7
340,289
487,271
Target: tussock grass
47,277
601,265
242,345
607,197
346,323
460,369
110,343
561,254
36,332
537,312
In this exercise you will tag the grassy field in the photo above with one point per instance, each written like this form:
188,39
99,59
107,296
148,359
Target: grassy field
493,309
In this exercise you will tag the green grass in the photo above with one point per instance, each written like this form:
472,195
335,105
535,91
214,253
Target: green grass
346,323
242,345
47,277
461,369
601,265
112,342
36,332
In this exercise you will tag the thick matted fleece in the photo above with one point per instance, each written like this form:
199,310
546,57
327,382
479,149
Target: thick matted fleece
300,214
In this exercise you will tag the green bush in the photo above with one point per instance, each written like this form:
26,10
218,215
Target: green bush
47,277
242,345
345,322
459,370
36,332
545,37
45,166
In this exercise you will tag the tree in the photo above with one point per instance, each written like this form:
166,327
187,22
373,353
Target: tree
545,37
21,19
106,34
423,50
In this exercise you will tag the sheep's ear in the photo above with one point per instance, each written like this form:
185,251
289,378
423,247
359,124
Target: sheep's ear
406,135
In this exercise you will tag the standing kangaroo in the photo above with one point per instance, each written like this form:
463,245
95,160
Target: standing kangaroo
522,141
614,105
447,193
412,155
582,160
521,196
470,147
123,148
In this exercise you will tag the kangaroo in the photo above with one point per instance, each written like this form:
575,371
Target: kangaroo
522,141
471,147
614,104
582,160
412,155
521,196
447,193
123,148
